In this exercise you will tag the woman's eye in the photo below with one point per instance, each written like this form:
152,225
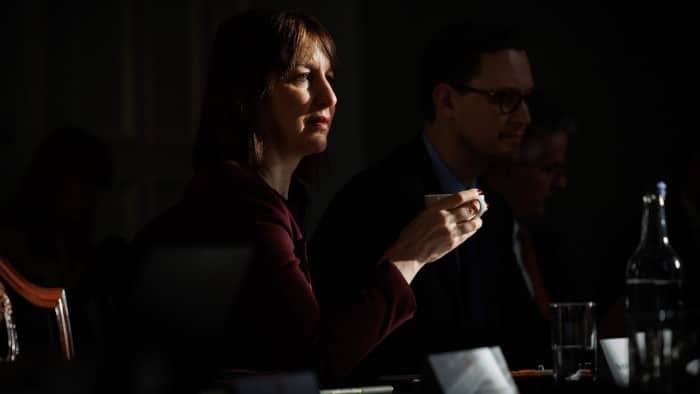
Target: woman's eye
302,77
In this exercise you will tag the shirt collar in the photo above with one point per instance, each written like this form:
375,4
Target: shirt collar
448,182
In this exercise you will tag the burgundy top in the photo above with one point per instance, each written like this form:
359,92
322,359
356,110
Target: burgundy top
277,323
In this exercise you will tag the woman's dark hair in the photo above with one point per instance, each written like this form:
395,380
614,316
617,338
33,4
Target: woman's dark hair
251,50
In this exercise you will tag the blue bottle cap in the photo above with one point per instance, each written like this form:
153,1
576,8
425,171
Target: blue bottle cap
661,188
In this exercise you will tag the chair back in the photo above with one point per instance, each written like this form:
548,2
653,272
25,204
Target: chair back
41,297
7,320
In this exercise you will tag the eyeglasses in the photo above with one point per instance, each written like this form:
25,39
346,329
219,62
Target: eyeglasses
508,100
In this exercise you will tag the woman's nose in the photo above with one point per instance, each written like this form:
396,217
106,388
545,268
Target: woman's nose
325,95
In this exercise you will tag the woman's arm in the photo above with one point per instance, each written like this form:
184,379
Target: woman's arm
436,231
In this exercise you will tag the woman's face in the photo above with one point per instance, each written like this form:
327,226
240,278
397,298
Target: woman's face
296,115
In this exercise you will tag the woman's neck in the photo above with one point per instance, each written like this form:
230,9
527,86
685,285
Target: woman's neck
277,173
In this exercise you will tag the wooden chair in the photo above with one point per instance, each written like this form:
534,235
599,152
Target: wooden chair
7,319
42,297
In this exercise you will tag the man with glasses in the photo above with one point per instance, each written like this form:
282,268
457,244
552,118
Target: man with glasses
473,83
528,185
539,174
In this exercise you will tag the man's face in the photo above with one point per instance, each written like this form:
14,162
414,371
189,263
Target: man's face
479,118
540,176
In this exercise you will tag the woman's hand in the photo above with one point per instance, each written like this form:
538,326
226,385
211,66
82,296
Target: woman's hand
436,231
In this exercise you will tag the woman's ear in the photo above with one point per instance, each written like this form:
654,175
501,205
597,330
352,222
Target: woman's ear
258,148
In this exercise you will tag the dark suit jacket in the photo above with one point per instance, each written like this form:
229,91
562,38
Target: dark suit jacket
473,296
277,324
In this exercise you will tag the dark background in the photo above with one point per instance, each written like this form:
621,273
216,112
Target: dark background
132,73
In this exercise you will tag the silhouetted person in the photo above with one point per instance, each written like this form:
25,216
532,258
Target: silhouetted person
684,222
48,234
528,185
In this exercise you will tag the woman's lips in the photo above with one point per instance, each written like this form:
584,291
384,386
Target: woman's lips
512,136
319,121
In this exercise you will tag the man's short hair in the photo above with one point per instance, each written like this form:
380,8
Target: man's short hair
454,55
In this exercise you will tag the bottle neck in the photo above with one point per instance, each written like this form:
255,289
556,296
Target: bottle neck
654,228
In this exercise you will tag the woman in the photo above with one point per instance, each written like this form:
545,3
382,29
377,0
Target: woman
267,110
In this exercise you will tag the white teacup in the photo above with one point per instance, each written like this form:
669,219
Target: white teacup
431,199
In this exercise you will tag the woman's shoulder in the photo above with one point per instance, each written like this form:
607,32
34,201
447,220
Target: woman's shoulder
229,184
250,188
220,205
236,189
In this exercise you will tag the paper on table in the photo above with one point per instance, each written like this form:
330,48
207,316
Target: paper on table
501,360
476,371
616,353
360,390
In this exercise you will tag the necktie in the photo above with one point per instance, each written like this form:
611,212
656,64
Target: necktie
529,257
